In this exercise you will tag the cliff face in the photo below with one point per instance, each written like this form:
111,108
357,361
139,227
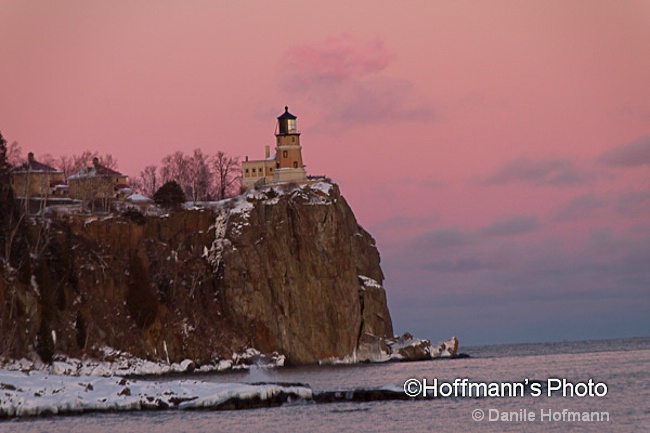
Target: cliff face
286,270
299,275
132,283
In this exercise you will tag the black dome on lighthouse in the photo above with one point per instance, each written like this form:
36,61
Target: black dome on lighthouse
287,115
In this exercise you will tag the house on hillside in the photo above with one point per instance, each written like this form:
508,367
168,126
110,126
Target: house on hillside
286,165
98,183
33,179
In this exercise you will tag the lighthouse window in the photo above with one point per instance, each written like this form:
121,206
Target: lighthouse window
285,154
293,139
295,164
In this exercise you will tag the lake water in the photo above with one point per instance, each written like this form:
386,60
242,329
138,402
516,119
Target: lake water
622,364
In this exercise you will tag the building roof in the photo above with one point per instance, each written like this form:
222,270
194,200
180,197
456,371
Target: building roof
100,170
286,114
139,198
34,166
96,170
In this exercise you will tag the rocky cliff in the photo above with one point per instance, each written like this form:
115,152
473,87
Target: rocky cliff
285,269
299,275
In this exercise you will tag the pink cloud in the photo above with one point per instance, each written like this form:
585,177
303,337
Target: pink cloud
580,208
511,226
543,172
346,77
336,59
632,154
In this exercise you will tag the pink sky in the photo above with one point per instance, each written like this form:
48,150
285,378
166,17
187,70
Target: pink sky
499,151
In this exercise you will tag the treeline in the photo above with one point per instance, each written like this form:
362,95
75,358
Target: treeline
202,177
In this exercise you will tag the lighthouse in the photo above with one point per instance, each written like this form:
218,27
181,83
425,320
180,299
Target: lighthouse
288,151
286,165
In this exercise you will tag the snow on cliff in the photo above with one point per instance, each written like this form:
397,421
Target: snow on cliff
234,213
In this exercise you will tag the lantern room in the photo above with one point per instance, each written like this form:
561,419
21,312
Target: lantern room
286,123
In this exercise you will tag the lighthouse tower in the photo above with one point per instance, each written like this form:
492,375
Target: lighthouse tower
288,152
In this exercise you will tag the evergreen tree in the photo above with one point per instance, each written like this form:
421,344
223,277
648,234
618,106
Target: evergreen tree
170,195
5,167
12,230
7,205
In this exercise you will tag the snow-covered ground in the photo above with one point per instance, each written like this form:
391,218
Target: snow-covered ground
41,394
69,385
72,386
38,393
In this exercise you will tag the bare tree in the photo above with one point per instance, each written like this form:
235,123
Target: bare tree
108,161
71,165
148,180
84,159
65,164
175,167
135,184
227,175
199,175
14,153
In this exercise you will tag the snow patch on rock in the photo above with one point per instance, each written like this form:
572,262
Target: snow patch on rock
369,282
118,363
